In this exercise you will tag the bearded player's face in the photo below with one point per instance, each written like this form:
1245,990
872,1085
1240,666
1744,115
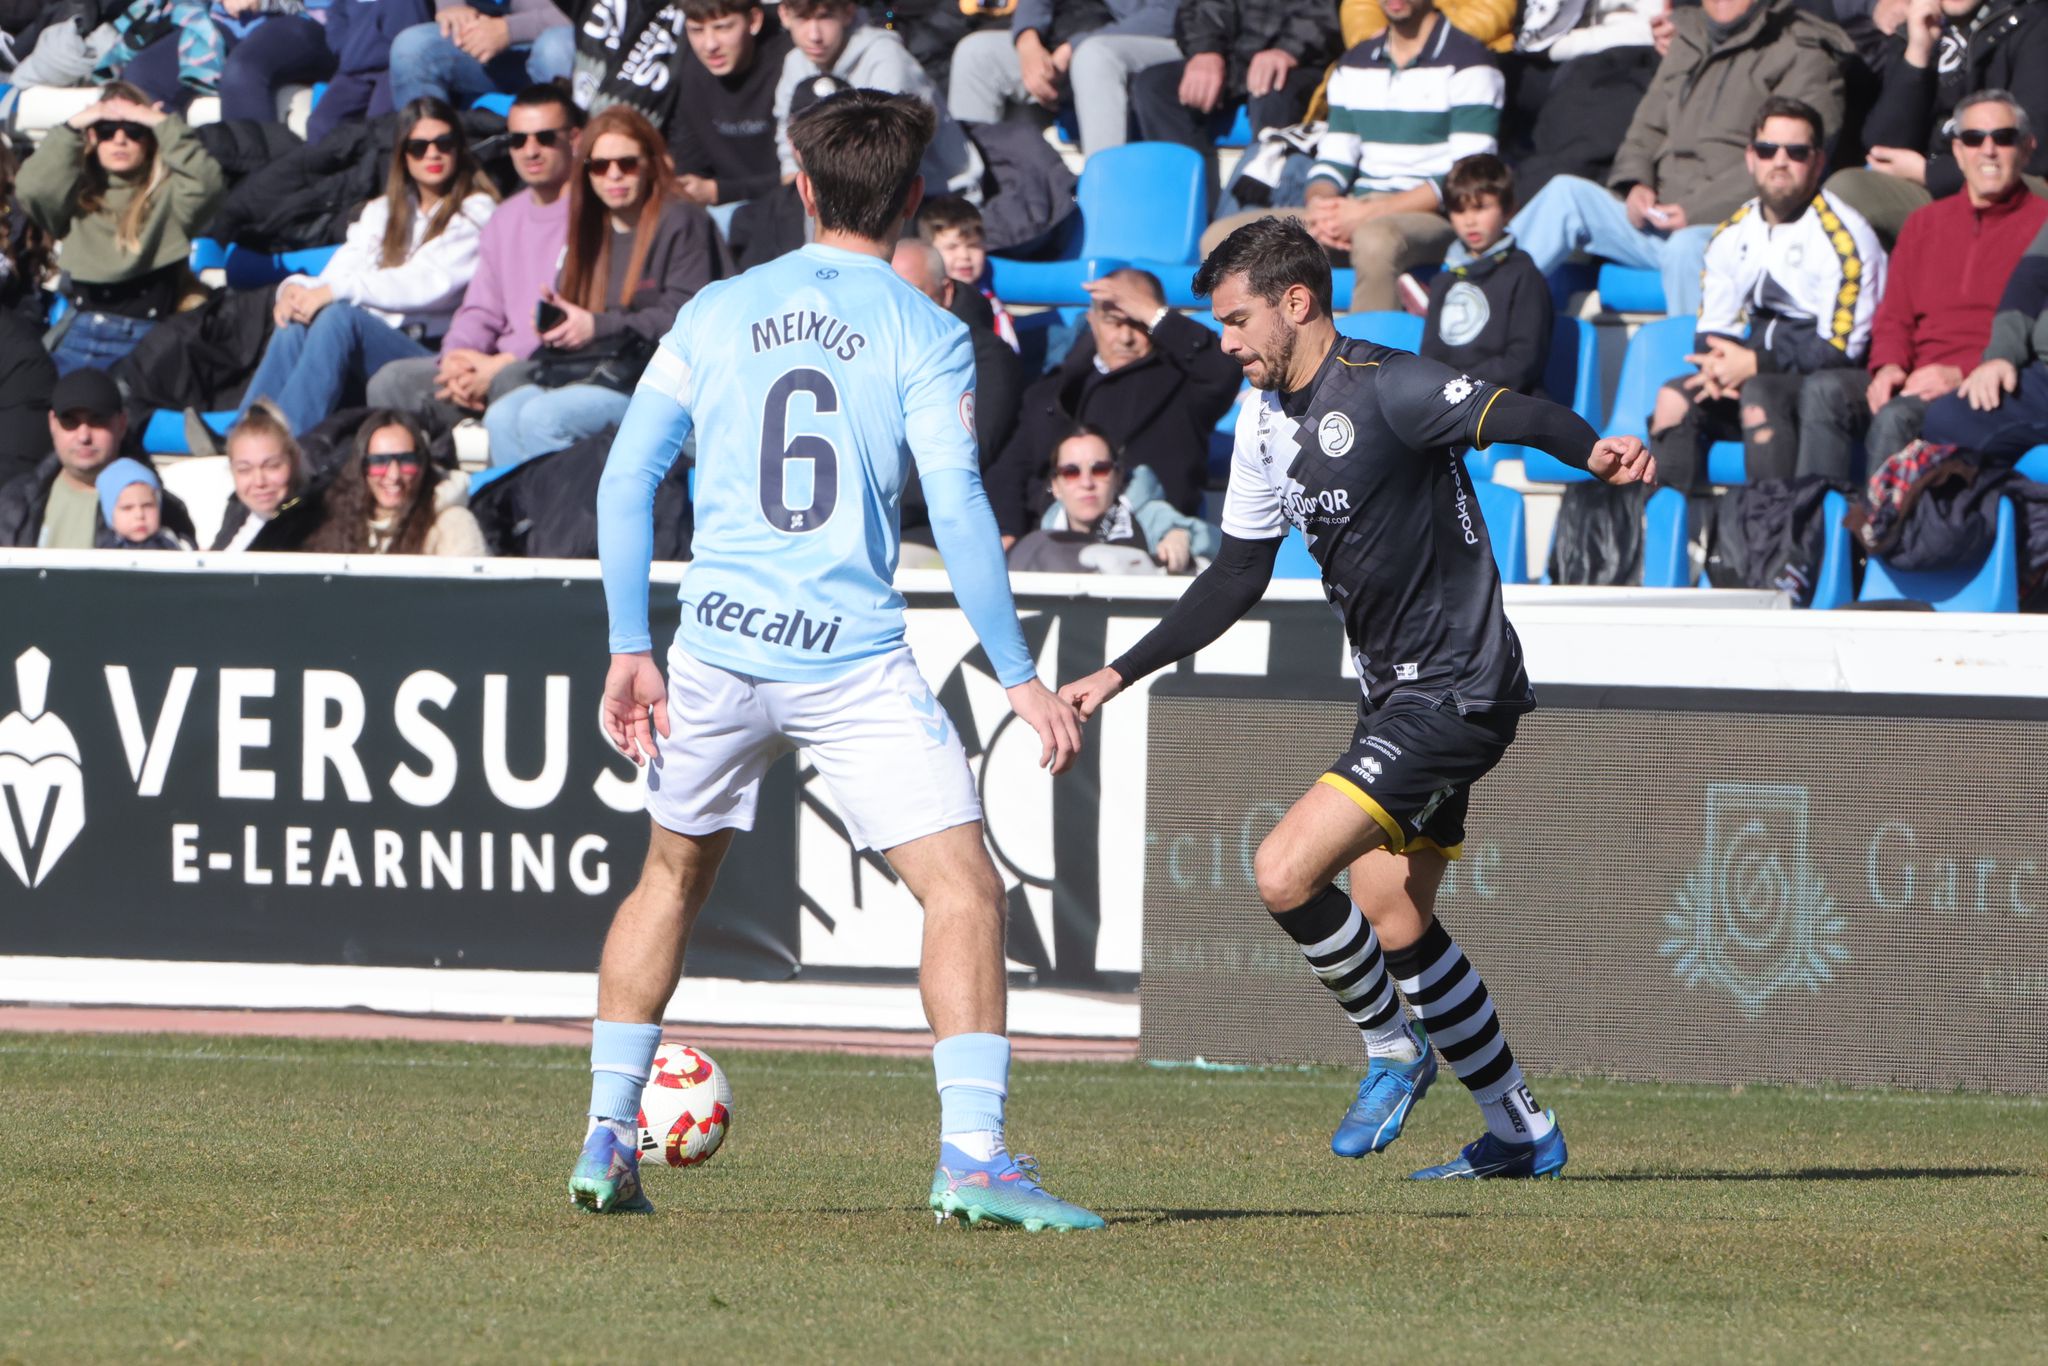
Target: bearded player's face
1256,334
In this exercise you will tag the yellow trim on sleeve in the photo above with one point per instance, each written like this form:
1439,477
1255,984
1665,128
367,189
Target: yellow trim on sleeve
1397,838
1453,852
1478,428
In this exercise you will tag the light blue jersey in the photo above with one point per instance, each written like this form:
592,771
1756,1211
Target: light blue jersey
811,382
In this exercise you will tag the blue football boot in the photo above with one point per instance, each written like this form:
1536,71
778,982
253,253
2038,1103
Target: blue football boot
1004,1191
607,1177
1389,1091
1489,1157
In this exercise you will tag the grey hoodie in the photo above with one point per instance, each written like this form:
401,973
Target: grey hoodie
876,59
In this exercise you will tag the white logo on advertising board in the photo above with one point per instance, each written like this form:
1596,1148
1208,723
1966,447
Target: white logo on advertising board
42,786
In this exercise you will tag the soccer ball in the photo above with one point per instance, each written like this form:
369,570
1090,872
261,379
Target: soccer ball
686,1108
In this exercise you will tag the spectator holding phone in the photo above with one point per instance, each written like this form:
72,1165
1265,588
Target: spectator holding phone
637,250
122,187
485,351
390,292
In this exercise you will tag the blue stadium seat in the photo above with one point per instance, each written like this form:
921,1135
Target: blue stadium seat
1572,376
254,269
1655,354
1835,585
319,89
165,433
1143,204
1294,561
1389,328
1507,523
208,254
1624,289
497,102
1664,549
2034,465
1239,134
1993,586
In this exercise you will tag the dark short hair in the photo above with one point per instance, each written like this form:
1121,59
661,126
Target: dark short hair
1480,174
546,94
702,10
1273,255
1786,107
804,9
943,213
1072,431
861,150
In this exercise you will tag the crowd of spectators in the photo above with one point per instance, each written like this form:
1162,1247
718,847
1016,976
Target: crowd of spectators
520,194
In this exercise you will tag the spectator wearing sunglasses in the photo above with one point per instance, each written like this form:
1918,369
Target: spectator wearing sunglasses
637,250
1941,53
1155,380
390,292
484,353
1098,523
390,499
122,187
1791,283
1942,290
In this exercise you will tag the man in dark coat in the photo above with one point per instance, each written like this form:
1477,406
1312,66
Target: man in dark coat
1267,54
56,505
1154,382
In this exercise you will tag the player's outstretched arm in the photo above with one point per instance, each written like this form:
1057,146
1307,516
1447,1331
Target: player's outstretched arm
1557,430
964,532
1234,581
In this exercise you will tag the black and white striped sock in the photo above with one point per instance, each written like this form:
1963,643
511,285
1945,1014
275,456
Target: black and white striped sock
1343,951
1451,1001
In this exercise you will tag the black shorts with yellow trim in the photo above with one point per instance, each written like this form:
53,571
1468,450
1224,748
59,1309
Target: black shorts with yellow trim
1411,768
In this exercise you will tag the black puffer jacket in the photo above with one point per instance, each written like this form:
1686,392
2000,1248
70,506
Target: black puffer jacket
1240,29
2005,48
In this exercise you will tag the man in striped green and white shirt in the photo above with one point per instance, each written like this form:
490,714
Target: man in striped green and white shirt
1403,107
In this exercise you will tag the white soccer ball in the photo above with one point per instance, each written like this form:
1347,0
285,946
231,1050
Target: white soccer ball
686,1108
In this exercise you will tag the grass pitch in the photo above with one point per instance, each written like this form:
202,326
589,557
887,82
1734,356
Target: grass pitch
286,1200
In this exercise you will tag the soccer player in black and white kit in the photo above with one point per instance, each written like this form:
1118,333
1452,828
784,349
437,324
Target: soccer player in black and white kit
1359,446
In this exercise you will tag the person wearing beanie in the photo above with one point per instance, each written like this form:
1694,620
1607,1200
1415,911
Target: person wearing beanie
131,511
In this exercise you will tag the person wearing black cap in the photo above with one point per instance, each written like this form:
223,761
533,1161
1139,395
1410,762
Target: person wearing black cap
57,506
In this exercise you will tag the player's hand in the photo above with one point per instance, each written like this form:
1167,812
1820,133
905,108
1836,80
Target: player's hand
1622,460
1988,384
1087,695
1059,730
635,706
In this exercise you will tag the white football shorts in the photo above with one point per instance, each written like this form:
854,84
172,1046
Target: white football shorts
876,734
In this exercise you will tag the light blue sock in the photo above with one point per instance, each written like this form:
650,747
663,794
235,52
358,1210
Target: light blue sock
621,1056
974,1077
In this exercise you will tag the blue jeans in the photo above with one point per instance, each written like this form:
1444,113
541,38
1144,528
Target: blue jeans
532,421
283,49
97,340
309,368
423,62
1569,214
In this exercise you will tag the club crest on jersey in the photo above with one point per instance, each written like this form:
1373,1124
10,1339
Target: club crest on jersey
967,411
1459,389
1335,434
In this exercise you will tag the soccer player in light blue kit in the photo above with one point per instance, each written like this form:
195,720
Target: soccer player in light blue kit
811,381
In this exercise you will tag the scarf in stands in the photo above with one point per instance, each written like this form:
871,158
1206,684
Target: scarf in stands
1117,527
626,53
1718,34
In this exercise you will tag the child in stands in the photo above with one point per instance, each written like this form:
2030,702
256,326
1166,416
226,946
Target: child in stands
1489,307
131,508
953,226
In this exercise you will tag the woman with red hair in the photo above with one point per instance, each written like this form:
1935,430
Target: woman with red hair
637,250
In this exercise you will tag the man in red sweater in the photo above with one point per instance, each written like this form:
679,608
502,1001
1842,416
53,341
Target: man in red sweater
1947,274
